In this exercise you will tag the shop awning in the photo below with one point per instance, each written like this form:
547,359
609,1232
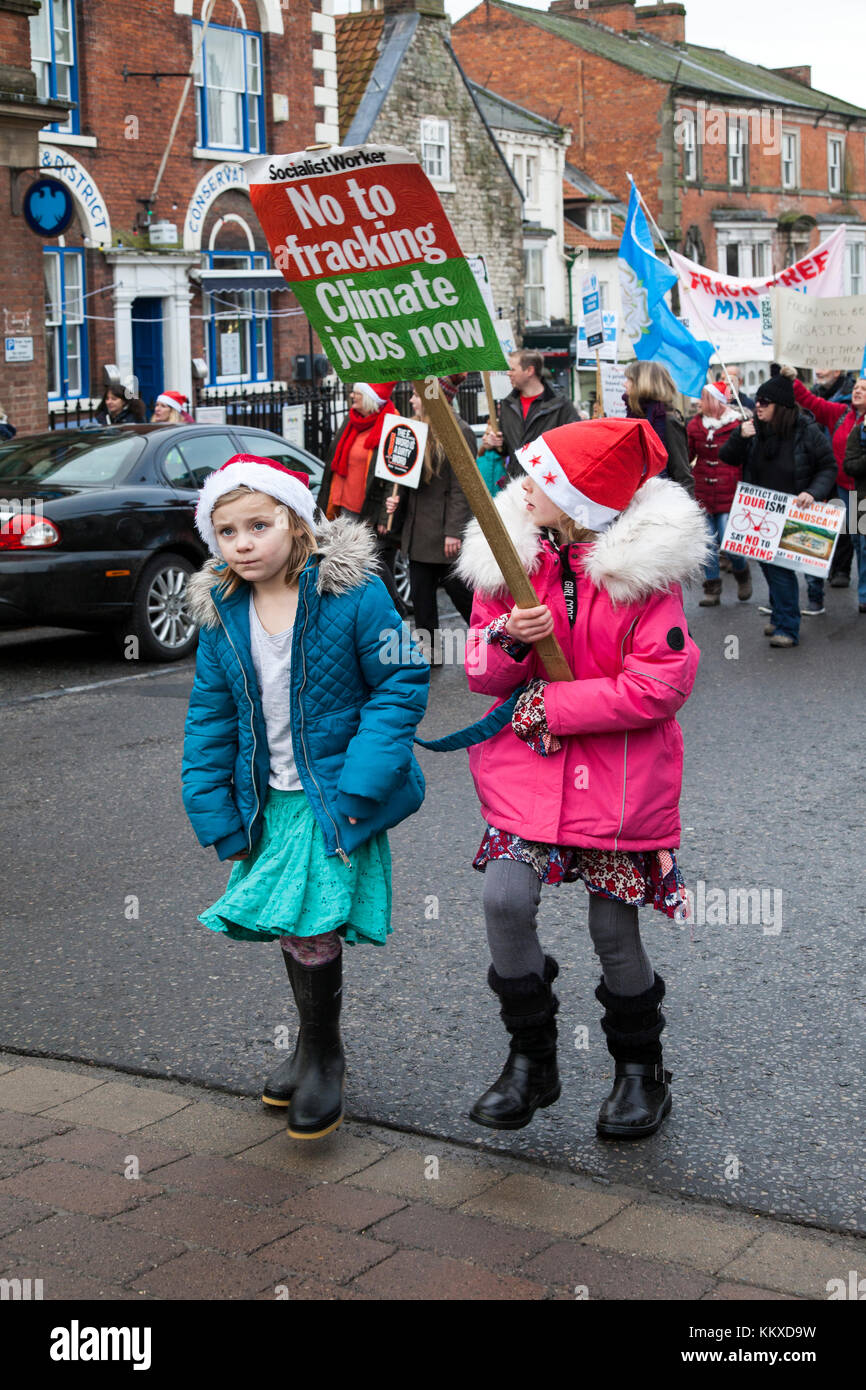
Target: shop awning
242,279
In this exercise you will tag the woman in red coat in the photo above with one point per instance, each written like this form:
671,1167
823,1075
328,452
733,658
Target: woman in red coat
715,485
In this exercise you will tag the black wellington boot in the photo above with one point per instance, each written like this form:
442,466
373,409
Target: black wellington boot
281,1083
316,1104
529,1079
641,1095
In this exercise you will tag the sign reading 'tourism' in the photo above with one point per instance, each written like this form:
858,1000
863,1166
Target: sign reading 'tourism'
362,238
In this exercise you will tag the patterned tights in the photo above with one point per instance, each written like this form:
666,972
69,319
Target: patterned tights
313,950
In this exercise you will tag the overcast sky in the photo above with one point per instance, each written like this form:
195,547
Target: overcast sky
829,34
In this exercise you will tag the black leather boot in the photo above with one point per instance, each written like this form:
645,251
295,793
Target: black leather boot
641,1095
316,1103
281,1083
529,1079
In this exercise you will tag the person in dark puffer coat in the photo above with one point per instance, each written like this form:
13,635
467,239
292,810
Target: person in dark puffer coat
786,450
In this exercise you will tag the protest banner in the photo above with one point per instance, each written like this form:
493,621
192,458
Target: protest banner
818,333
607,350
729,307
613,384
361,236
767,525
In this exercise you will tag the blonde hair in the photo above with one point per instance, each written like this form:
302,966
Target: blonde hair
434,454
303,541
649,381
572,532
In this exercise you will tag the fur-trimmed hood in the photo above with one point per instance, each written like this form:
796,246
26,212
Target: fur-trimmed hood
347,557
660,539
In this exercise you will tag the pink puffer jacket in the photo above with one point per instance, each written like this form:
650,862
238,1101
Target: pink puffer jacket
615,783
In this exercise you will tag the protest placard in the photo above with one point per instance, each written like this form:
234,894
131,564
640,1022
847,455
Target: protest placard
607,351
613,384
401,451
592,316
767,525
728,307
293,424
818,333
362,238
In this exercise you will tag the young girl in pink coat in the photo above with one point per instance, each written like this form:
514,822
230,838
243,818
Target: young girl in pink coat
584,782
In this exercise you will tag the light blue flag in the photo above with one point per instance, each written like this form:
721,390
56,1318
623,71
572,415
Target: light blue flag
654,331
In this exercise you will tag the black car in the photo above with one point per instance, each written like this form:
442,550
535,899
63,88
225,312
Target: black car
97,526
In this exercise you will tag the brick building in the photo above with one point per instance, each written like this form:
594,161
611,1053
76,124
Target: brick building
151,283
745,167
400,83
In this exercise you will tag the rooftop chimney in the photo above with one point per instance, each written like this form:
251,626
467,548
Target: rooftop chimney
801,74
664,21
613,14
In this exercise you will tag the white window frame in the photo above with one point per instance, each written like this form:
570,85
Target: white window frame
598,220
690,147
835,169
534,289
747,238
531,186
737,151
793,181
855,265
436,148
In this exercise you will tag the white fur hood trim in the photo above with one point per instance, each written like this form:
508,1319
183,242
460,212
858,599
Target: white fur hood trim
347,551
659,540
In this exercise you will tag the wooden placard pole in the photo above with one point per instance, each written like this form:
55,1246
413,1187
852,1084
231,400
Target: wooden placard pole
492,420
394,491
520,587
599,389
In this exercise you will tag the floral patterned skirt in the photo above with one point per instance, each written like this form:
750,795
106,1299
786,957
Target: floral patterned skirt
640,878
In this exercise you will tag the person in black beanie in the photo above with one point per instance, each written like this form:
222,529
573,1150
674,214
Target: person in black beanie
785,449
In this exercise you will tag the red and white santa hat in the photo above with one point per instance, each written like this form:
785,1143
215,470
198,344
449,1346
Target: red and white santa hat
376,395
592,469
262,475
718,391
175,400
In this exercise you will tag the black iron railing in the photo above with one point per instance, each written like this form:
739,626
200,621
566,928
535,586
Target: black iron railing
324,408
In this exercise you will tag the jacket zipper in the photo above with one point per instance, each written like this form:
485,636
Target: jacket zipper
252,728
341,852
625,749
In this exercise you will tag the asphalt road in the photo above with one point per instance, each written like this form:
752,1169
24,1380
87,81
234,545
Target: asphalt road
103,959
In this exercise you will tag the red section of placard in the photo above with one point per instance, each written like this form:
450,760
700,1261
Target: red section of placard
385,207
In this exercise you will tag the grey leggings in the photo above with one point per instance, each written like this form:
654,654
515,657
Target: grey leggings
512,891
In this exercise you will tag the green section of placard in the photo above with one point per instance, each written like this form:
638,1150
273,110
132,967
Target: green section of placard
402,322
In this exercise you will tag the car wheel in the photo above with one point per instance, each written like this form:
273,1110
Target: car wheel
160,620
401,579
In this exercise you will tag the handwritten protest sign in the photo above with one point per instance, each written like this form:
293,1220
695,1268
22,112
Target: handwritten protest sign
728,307
362,238
613,384
401,451
819,332
766,525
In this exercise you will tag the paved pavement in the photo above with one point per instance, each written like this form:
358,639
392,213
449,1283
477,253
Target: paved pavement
120,1189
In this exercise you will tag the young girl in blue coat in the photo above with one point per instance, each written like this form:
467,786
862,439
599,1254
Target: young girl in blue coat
298,748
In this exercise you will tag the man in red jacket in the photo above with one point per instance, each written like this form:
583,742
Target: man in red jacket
839,418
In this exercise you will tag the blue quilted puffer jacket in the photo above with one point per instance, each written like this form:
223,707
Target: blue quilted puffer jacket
358,691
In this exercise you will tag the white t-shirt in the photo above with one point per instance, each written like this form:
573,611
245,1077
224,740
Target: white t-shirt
272,658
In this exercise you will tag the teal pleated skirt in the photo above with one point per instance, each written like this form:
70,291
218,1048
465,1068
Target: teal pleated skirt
289,886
